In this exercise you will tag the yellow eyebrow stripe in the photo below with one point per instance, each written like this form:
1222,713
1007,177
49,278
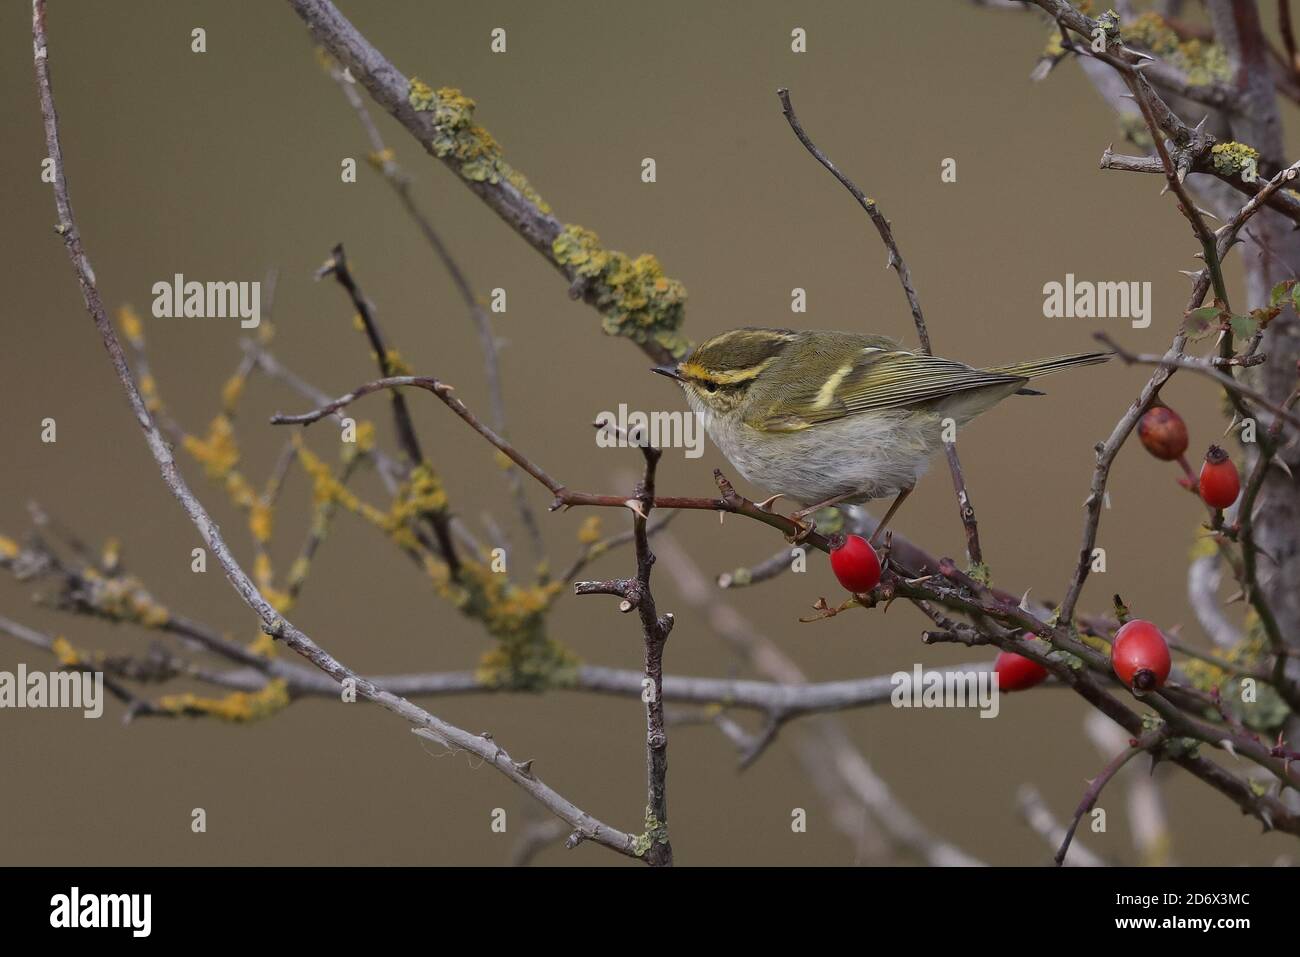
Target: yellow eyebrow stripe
726,376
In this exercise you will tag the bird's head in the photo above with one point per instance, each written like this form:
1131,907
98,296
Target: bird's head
718,375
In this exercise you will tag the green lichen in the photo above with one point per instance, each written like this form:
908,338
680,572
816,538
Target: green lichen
636,298
656,832
1268,711
1109,24
459,140
1232,158
1202,63
421,96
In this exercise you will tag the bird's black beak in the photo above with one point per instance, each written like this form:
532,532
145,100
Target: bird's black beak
670,371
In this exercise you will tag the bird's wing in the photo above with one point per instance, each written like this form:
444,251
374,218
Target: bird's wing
875,379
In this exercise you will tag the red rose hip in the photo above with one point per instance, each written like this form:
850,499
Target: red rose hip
1219,483
1163,433
856,564
1016,672
1140,655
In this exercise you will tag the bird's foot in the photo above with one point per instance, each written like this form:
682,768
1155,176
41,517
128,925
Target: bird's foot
804,525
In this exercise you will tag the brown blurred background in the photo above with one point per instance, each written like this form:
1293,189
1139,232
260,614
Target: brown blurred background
225,164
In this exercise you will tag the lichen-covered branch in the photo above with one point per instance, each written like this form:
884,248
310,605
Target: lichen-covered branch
633,295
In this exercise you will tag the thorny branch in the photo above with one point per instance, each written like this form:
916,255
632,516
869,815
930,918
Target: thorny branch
951,589
1136,746
636,594
1000,620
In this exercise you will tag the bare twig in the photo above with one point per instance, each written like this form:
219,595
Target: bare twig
400,182
1148,824
1148,741
438,521
274,624
1044,823
636,594
895,261
592,551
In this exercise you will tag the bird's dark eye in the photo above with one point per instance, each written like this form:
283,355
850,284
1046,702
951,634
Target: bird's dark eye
711,386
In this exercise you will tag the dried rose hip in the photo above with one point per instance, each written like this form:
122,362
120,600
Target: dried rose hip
1163,433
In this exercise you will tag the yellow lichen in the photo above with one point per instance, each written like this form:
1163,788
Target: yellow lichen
325,60
589,530
279,600
1264,710
1232,158
298,573
327,489
240,492
421,96
260,521
8,547
218,451
232,391
365,436
457,138
263,645
1204,547
396,365
635,297
128,320
111,555
420,494
68,656
237,706
123,598
149,392
1202,63
525,657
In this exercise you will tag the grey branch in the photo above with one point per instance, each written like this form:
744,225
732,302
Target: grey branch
274,624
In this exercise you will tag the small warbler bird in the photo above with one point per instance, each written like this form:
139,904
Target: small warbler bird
829,418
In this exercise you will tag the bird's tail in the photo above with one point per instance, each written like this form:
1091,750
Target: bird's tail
1036,367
